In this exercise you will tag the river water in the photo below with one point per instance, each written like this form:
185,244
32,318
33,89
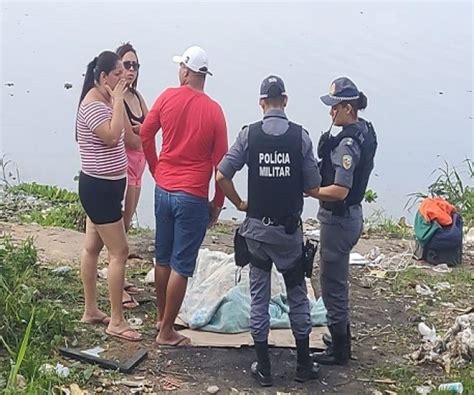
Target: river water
412,59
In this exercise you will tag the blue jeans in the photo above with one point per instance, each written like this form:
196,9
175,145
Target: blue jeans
181,223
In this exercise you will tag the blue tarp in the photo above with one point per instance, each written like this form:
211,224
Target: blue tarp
216,303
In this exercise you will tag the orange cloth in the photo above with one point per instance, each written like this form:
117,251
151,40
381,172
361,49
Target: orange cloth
437,209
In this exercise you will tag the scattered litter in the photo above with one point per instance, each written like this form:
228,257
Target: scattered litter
94,351
378,332
213,389
102,273
169,384
20,382
376,392
131,383
357,259
150,277
76,390
313,233
151,249
469,238
377,381
467,310
442,286
429,334
125,363
67,85
424,290
449,305
135,323
424,389
391,264
60,370
443,268
455,388
61,270
374,253
455,349
311,222
367,282
377,273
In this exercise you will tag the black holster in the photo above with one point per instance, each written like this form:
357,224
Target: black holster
291,224
309,252
242,255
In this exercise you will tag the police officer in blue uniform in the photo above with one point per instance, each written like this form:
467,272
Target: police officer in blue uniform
347,160
281,167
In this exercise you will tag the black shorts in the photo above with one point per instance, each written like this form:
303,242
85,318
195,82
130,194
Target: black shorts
102,199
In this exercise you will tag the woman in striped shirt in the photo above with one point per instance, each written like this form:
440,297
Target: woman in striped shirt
102,184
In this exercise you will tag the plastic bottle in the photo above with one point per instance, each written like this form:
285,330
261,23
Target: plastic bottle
455,388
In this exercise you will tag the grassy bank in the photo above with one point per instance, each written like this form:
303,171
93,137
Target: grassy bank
39,312
43,204
42,306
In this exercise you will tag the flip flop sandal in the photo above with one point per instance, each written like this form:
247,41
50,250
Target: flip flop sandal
127,304
131,289
134,256
184,342
176,327
121,335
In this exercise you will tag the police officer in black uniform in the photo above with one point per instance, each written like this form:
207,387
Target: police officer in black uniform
347,160
281,166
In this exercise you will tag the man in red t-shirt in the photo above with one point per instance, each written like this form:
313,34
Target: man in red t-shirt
194,142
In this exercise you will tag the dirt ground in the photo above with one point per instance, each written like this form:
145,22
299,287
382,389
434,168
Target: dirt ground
383,327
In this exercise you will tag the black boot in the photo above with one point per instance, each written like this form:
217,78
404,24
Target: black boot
338,353
327,340
306,369
261,369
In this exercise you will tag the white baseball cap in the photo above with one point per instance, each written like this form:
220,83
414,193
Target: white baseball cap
195,58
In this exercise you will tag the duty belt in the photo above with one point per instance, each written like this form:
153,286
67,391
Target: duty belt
338,209
291,222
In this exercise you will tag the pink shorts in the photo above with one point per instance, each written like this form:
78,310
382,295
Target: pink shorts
136,167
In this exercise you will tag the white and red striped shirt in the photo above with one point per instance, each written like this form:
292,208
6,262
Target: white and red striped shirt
98,158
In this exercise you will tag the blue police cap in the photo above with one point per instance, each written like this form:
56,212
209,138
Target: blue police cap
341,89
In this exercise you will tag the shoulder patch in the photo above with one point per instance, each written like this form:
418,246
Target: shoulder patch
347,161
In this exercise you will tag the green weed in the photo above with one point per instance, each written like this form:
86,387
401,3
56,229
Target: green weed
455,184
54,207
46,192
33,320
378,224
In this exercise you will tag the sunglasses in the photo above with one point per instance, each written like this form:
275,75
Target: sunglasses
128,65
